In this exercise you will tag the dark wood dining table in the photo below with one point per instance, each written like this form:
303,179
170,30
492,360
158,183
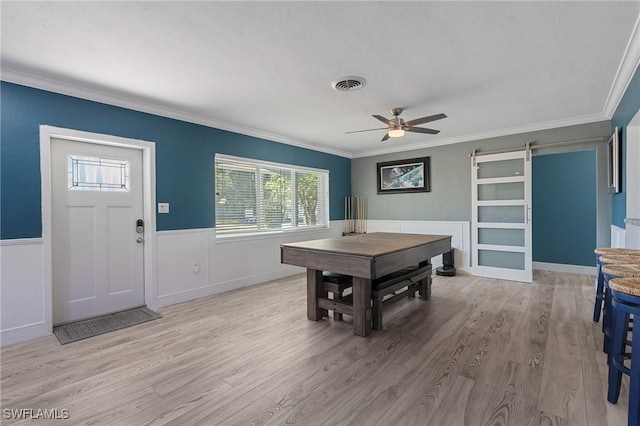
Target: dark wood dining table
364,257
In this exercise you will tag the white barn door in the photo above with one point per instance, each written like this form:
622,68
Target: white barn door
501,224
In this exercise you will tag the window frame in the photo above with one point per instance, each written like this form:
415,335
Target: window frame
259,166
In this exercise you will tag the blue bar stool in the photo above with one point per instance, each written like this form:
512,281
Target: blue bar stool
625,301
612,271
599,252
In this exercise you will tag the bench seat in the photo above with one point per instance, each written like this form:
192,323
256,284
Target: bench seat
393,287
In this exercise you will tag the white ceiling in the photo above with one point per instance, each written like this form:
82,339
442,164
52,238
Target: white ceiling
265,68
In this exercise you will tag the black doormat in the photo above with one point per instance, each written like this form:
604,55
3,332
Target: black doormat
75,331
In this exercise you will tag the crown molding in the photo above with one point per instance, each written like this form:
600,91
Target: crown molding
37,82
626,69
585,119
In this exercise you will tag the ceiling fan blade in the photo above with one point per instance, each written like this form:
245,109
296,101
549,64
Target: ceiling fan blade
424,120
368,130
384,120
385,137
422,130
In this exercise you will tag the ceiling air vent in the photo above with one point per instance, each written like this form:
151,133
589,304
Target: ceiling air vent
349,84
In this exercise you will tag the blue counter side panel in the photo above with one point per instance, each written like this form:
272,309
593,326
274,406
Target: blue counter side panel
564,207
184,157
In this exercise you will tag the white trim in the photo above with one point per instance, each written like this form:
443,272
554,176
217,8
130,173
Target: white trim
42,83
618,237
37,82
560,267
322,231
624,74
23,290
218,239
220,266
149,182
632,183
185,231
258,162
220,287
20,242
24,333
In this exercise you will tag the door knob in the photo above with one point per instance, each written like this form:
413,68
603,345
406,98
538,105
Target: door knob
140,240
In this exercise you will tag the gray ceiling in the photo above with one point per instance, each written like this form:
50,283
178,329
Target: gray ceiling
266,68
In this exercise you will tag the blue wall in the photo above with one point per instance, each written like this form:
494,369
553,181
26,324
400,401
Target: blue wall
627,109
564,207
184,157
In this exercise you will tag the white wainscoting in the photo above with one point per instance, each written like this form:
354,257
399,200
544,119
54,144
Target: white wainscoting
459,231
632,233
222,264
617,236
22,292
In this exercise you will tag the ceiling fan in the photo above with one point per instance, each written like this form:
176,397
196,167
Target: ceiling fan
397,126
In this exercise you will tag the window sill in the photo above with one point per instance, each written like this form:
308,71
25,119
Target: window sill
235,238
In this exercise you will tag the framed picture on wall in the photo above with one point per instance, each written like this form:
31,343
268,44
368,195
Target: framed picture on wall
412,175
613,162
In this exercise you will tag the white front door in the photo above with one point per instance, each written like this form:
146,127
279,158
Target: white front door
501,225
97,199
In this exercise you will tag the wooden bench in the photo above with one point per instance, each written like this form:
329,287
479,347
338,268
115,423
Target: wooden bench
336,284
384,291
397,285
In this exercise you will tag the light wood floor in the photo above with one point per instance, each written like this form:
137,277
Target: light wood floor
480,352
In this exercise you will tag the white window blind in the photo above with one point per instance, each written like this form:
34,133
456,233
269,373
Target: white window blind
254,196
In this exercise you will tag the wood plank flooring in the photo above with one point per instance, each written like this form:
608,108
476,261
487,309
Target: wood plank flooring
480,352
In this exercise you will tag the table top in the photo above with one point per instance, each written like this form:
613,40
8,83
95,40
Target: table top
371,244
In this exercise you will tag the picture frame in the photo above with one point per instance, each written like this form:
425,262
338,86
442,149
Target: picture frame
613,163
402,176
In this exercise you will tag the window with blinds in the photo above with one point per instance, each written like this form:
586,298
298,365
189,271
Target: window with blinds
254,196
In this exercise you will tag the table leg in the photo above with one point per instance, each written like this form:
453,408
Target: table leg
361,306
315,289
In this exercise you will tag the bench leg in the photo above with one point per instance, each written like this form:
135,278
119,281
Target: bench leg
425,288
376,314
337,316
412,289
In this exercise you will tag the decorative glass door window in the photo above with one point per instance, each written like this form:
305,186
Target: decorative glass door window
97,174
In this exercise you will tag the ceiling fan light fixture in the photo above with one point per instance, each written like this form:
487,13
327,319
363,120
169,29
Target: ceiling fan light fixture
396,133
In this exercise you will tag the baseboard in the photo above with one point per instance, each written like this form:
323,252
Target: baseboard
209,290
23,333
20,242
560,267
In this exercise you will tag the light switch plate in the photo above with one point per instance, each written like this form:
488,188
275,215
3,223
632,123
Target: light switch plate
163,207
